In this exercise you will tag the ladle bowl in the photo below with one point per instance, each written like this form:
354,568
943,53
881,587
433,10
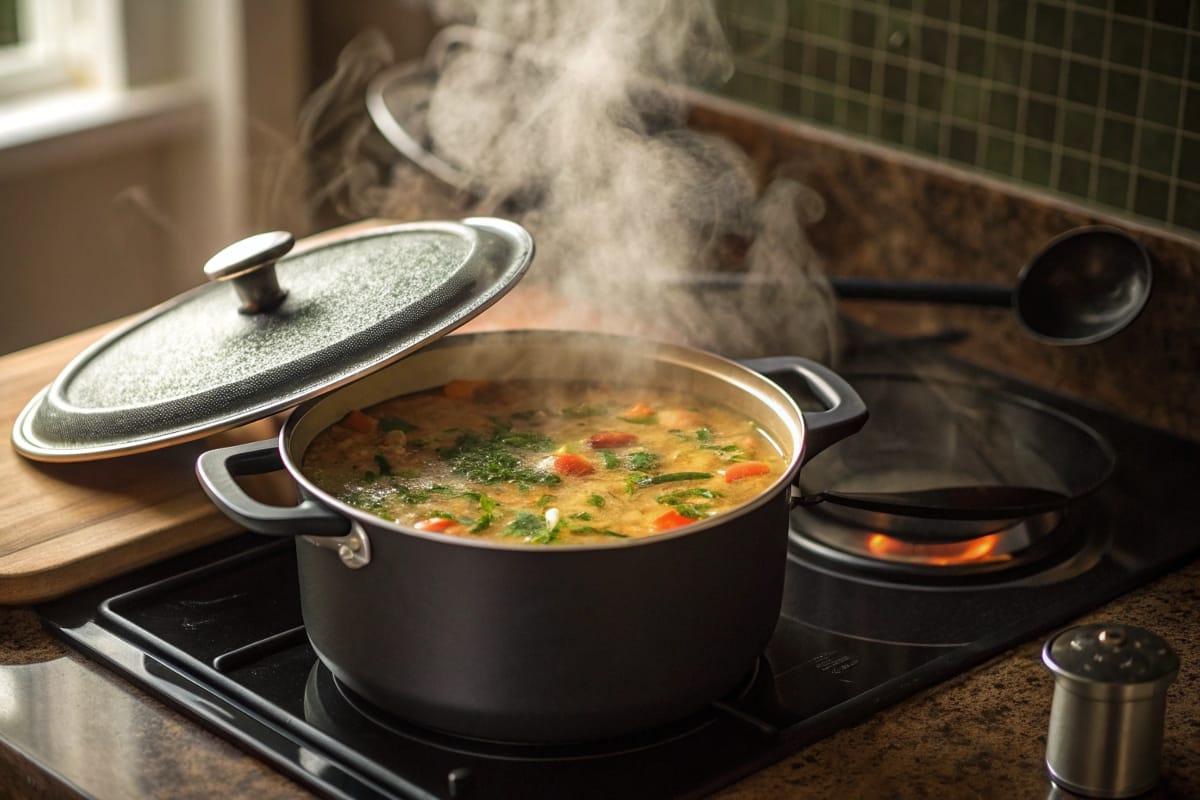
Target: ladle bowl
1086,285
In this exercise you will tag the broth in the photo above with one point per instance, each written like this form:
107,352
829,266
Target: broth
544,462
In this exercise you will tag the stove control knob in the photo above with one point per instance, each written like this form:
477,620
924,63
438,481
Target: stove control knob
1110,699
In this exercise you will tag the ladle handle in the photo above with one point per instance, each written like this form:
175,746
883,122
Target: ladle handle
974,294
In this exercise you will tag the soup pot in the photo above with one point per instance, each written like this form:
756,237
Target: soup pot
534,643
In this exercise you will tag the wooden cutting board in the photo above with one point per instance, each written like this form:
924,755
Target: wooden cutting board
66,526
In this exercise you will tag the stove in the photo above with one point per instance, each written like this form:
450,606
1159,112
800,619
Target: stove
218,633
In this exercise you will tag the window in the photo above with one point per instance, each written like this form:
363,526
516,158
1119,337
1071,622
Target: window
52,43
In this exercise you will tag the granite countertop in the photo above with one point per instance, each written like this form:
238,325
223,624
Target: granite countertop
69,727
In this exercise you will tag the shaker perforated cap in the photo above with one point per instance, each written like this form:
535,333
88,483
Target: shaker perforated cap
272,331
1097,656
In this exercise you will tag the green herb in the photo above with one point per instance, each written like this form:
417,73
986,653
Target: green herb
396,424
643,461
590,531
544,500
610,460
532,528
582,516
525,440
525,416
647,420
595,500
691,510
407,494
670,498
368,477
678,434
703,435
489,459
384,467
671,477
579,412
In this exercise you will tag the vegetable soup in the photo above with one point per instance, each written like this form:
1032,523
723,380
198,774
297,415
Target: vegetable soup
544,462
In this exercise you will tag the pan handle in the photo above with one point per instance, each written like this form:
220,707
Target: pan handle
846,412
216,470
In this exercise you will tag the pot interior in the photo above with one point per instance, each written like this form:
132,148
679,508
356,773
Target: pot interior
570,355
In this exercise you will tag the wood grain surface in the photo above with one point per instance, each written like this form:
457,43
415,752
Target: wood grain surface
64,526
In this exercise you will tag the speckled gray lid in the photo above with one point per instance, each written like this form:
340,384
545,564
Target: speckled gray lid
196,364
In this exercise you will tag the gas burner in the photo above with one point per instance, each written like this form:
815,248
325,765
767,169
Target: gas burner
1049,545
332,706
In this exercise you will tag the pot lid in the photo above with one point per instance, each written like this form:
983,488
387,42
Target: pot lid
270,332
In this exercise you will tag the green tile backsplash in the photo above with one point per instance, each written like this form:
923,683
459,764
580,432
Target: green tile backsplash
1095,100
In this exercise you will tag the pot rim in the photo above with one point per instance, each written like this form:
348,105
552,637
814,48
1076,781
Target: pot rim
655,350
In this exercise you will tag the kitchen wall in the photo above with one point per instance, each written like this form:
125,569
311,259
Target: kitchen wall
1096,101
105,214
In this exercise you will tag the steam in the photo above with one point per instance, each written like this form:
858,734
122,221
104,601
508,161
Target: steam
571,117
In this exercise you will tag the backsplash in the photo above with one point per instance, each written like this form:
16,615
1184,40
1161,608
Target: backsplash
1097,101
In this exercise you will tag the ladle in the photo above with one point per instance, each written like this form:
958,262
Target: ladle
1084,286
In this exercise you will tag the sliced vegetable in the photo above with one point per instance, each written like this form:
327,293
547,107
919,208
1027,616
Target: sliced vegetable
465,390
360,422
571,464
639,413
745,469
671,519
671,477
435,524
606,440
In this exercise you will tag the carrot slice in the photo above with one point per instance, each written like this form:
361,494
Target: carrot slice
434,524
464,390
358,421
606,440
745,469
671,519
638,411
572,464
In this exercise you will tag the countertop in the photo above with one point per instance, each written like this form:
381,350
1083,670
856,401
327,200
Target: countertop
68,727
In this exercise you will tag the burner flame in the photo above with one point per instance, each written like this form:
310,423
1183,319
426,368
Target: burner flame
983,548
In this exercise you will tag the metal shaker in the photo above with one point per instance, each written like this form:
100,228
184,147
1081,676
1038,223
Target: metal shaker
1106,718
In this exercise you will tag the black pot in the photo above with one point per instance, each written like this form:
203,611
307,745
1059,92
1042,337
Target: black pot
541,644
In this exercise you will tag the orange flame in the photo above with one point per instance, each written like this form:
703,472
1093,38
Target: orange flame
948,554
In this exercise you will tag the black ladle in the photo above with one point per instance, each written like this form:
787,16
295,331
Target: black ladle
1084,286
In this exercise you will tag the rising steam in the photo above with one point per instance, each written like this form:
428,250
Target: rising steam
568,116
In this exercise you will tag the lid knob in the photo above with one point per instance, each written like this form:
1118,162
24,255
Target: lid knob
250,263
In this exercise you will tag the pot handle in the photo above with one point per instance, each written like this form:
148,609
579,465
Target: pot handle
216,470
846,412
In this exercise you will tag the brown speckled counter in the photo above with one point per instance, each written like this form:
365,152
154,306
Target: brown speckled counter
69,727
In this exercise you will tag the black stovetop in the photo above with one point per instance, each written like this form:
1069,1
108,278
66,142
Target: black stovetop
218,633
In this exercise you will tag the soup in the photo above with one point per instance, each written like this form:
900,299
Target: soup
544,462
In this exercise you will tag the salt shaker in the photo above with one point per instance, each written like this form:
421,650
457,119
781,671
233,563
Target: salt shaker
1106,718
